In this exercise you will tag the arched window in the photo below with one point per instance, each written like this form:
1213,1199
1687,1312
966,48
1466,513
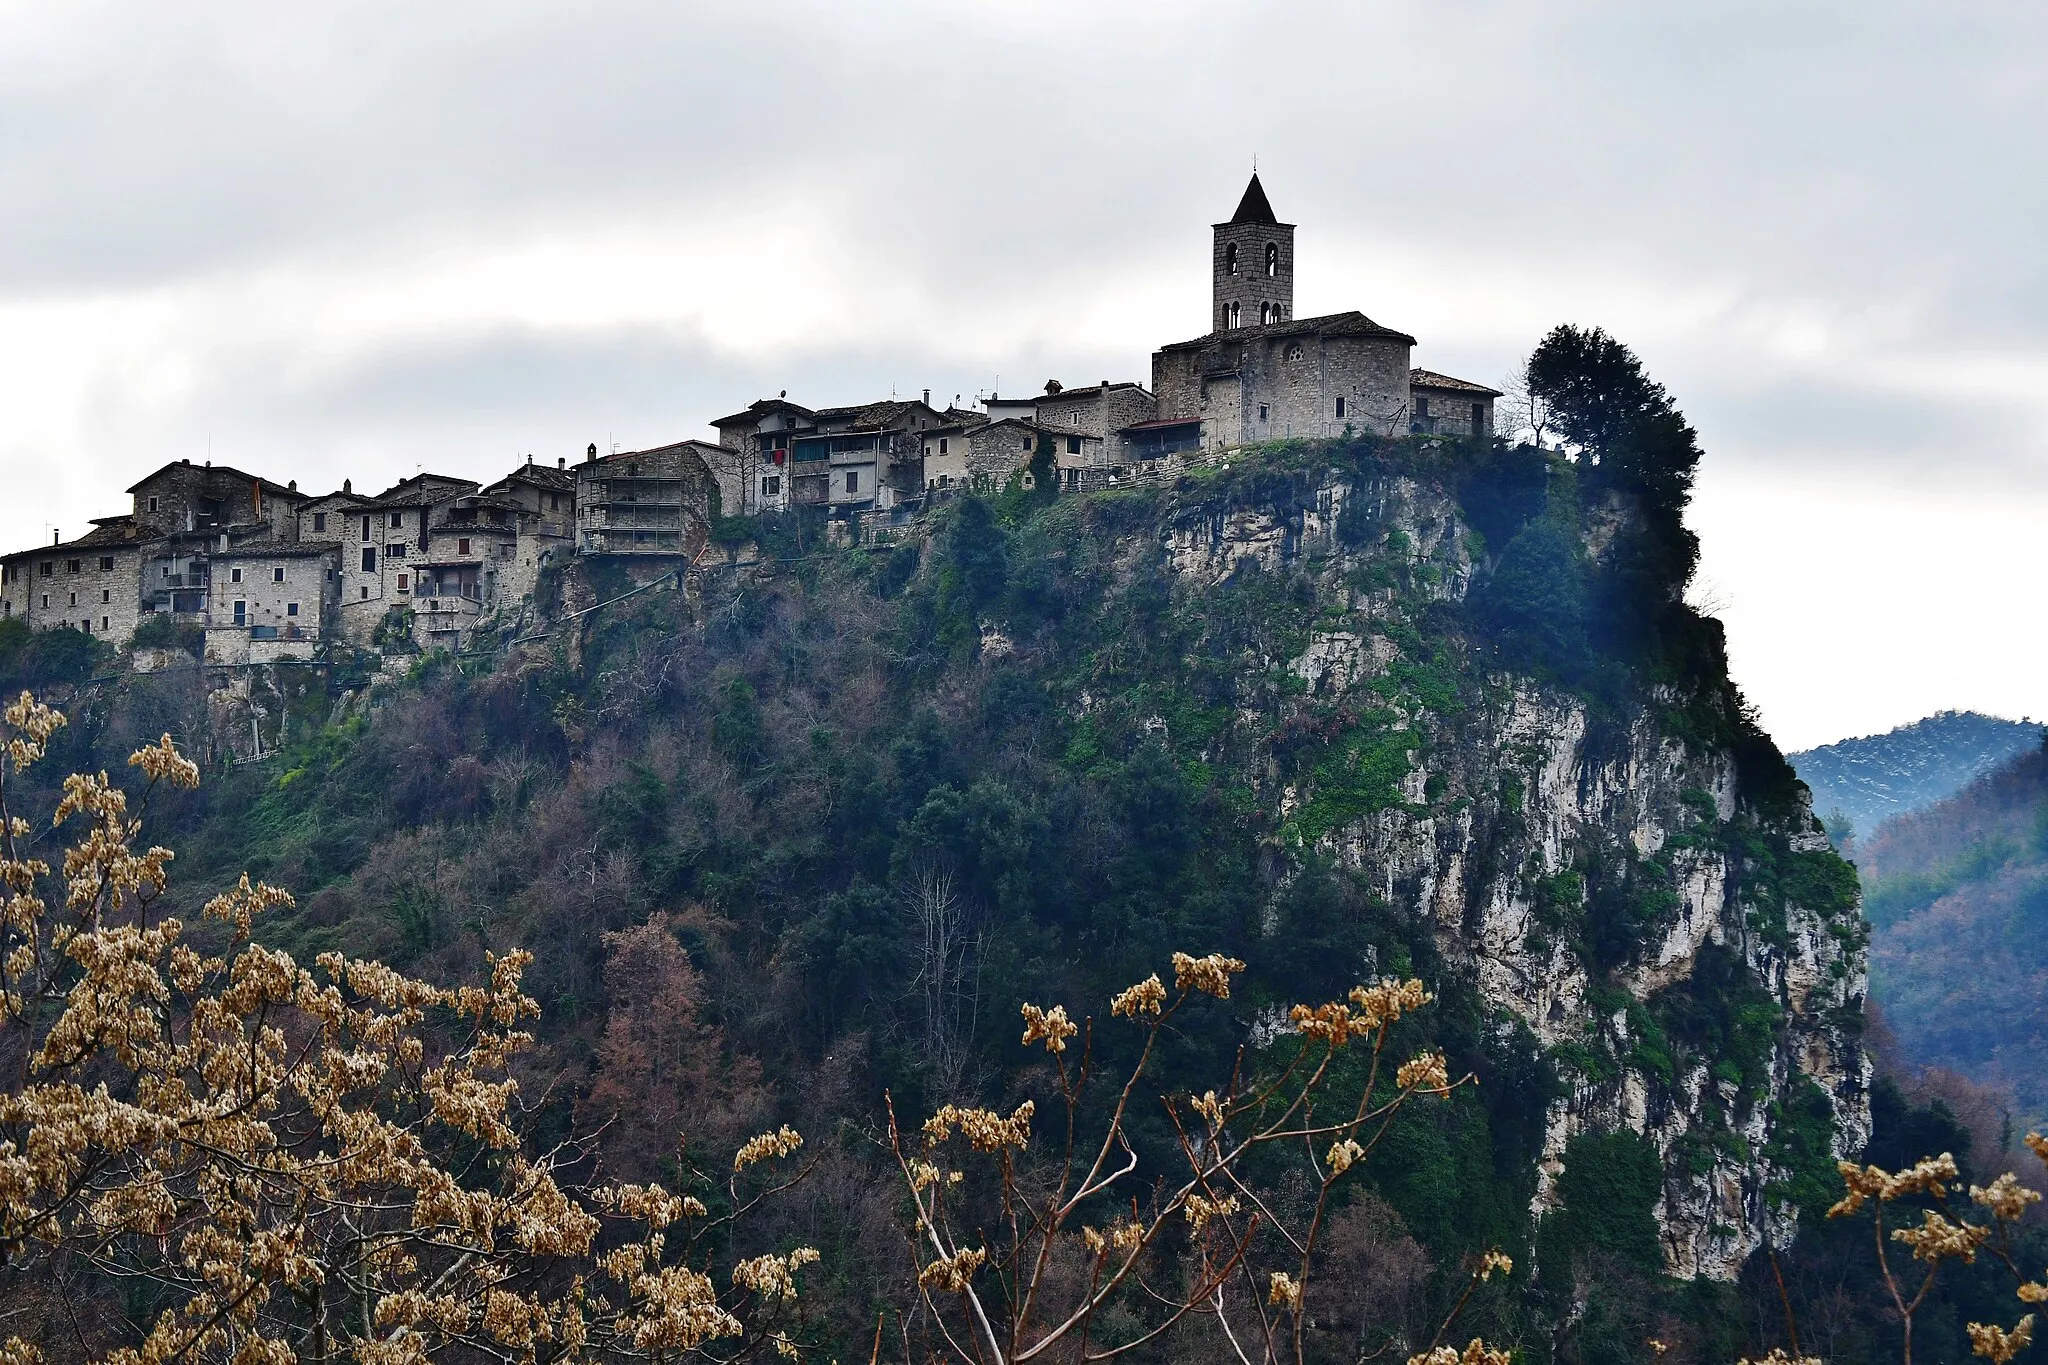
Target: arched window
1294,351
1272,258
1233,313
1230,259
1265,314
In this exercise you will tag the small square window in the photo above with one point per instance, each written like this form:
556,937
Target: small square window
462,546
401,582
152,504
277,573
398,519
319,521
291,609
106,563
235,574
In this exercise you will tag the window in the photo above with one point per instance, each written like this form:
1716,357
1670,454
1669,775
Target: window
942,445
319,521
241,613
1340,407
945,480
1272,258
1232,315
164,570
103,623
1422,407
106,563
107,595
366,528
86,625
1073,445
366,592
462,546
1027,443
291,609
70,566
771,484
1479,419
551,502
235,574
46,601
1262,412
1230,259
74,599
369,563
1266,314
395,550
633,469
1293,351
152,504
401,583
853,481
47,567
398,520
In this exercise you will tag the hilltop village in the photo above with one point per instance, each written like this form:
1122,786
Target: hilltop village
270,572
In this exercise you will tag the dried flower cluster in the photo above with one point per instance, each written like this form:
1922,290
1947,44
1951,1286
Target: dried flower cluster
1999,1346
322,1161
1478,1353
984,1129
1048,1026
764,1146
1210,975
1778,1356
1144,998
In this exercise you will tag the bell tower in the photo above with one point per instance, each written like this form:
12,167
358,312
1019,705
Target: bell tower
1254,265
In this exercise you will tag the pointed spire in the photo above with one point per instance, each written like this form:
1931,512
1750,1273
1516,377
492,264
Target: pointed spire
1253,208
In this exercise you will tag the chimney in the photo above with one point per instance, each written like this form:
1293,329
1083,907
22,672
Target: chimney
561,461
591,455
56,537
345,486
927,397
529,459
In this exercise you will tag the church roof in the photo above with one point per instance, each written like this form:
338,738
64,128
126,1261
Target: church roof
1254,207
1353,324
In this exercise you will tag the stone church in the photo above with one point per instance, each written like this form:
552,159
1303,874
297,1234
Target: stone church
1262,374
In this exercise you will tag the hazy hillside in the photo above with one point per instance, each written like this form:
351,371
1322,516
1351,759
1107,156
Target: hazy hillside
1875,777
1958,897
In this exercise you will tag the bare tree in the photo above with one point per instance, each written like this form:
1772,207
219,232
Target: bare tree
1087,1254
947,982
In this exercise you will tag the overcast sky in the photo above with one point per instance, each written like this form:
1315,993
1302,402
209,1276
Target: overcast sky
321,241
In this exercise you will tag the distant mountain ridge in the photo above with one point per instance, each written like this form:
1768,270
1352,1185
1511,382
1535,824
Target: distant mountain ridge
1874,777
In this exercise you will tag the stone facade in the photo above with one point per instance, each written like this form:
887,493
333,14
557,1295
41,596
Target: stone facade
183,496
1316,377
382,543
751,459
1102,411
644,502
1439,405
272,601
92,584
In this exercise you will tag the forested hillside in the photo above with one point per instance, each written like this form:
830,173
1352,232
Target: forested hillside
812,829
1958,898
1866,781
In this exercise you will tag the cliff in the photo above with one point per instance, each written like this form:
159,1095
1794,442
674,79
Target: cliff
1577,859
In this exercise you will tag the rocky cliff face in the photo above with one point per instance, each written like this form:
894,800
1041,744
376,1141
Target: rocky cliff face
1524,815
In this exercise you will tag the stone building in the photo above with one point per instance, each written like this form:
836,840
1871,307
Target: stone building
1263,374
382,541
271,600
1101,411
751,459
91,584
1439,405
546,503
644,502
867,457
210,498
323,518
